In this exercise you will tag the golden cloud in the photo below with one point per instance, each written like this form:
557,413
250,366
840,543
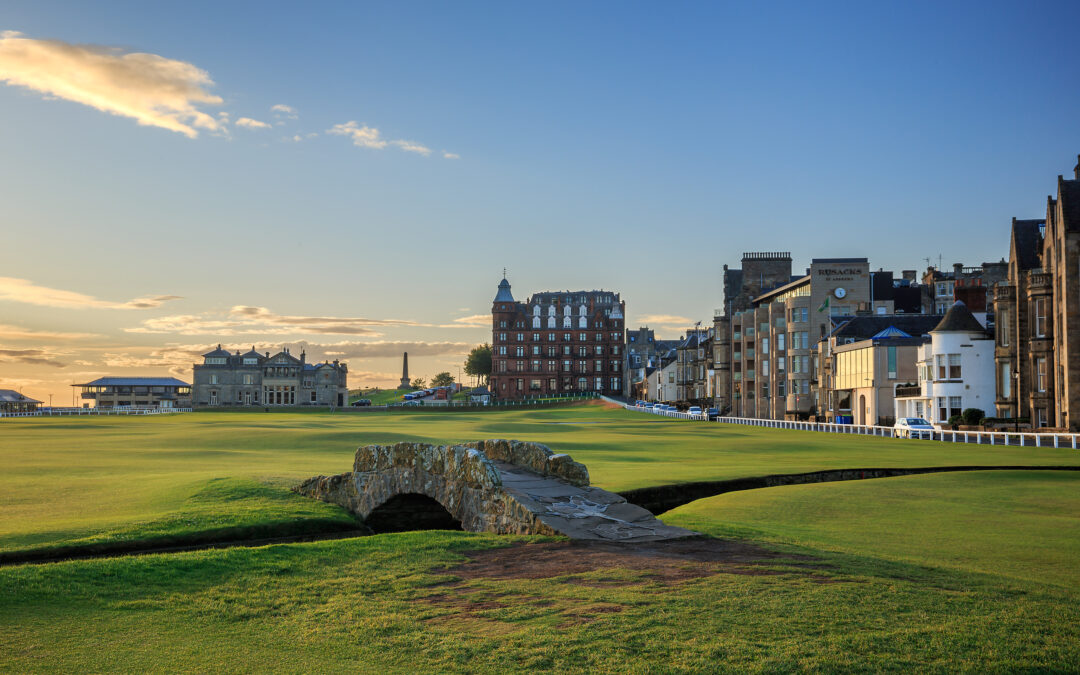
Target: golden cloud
151,89
26,291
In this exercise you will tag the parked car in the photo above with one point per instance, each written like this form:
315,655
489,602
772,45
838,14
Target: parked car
714,413
359,403
694,410
913,427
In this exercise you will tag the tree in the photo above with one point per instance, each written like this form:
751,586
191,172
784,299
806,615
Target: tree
443,379
418,383
478,362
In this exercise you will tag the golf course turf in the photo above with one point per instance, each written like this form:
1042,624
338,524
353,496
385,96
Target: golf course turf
941,572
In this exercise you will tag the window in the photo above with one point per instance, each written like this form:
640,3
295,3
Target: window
502,350
536,322
566,365
765,345
551,337
502,337
536,350
519,351
502,324
599,350
534,385
213,378
780,366
598,366
313,396
954,366
765,367
764,390
536,365
780,341
780,322
954,406
943,412
940,360
1040,373
582,337
892,362
536,337
781,387
1040,417
520,337
1005,381
566,337
1040,317
566,350
1003,327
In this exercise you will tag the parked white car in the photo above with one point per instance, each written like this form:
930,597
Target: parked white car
913,427
694,410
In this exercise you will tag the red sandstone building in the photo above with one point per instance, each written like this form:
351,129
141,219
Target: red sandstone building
567,342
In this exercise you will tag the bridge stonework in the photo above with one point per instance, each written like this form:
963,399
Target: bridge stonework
497,486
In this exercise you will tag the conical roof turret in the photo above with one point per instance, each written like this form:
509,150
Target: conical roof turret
504,294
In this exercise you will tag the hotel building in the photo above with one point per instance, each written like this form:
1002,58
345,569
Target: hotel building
558,343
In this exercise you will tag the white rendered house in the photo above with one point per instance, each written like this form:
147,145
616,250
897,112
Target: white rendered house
956,371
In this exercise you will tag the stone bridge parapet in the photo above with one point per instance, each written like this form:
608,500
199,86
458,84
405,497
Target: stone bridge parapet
497,486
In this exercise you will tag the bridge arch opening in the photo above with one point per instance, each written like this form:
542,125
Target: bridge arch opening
411,511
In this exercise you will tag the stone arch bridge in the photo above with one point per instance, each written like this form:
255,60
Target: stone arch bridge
498,486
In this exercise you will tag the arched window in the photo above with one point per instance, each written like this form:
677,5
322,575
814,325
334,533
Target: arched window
536,310
551,310
583,322
551,322
566,321
536,322
584,310
566,310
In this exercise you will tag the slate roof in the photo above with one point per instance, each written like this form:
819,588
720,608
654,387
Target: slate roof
1069,196
866,327
12,396
504,294
1027,241
959,319
135,382
218,352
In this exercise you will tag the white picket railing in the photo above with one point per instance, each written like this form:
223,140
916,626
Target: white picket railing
1018,438
125,410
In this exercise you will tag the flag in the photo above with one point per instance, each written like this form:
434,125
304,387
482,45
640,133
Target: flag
824,305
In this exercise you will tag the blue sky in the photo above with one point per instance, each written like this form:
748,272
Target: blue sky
628,146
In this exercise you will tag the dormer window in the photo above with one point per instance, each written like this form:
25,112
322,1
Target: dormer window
215,360
251,361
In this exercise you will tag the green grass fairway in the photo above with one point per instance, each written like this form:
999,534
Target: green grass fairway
1022,524
389,604
943,572
379,397
92,480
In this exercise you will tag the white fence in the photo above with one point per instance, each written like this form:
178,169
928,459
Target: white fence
1017,438
125,410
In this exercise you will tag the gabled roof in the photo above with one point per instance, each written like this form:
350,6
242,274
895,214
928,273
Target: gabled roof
287,355
1026,242
12,396
135,382
218,352
959,319
253,353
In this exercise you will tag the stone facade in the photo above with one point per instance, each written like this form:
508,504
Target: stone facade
1037,315
497,486
254,379
558,343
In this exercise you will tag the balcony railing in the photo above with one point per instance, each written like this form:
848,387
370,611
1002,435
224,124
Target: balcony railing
909,391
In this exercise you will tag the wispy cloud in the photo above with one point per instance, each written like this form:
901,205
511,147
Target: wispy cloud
386,348
362,136
282,110
25,291
38,357
409,146
450,155
476,320
244,320
249,123
151,89
18,333
667,320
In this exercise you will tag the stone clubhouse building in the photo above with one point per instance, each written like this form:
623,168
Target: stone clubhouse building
254,379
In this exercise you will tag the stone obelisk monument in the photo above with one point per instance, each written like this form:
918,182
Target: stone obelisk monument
405,371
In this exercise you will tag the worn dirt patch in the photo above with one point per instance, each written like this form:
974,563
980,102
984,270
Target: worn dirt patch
664,562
